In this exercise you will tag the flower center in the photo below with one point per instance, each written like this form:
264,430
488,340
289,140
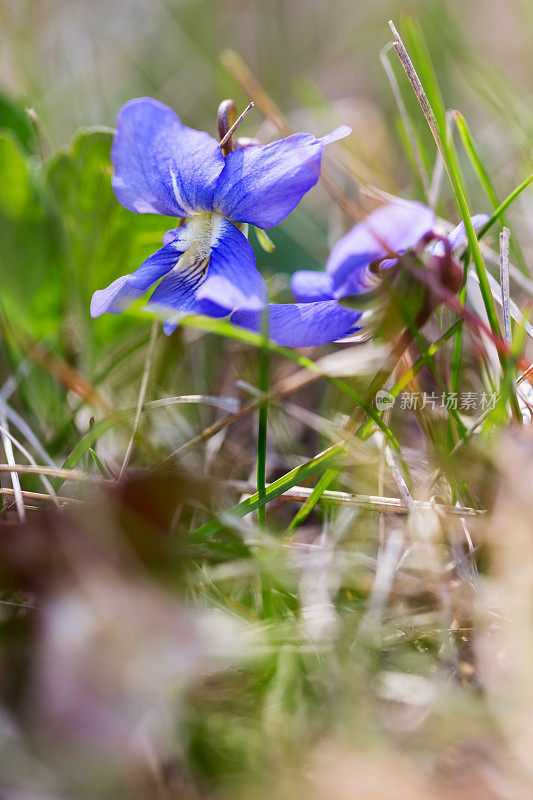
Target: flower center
202,232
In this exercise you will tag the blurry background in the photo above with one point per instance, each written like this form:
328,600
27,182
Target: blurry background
313,692
77,61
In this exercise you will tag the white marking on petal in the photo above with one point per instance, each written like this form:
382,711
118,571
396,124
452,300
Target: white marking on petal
177,194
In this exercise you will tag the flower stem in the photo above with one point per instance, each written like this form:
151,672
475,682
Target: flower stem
263,379
324,460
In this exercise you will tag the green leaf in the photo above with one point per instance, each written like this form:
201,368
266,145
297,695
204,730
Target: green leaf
15,186
101,239
13,117
30,273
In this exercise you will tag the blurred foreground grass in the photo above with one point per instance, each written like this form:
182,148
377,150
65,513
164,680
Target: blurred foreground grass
383,649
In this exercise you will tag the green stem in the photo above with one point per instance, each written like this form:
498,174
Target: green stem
262,426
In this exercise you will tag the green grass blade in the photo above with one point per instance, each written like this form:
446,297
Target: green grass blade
484,177
428,96
273,490
475,159
96,459
504,205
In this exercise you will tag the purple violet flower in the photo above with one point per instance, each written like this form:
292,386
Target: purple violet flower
370,247
207,266
353,268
